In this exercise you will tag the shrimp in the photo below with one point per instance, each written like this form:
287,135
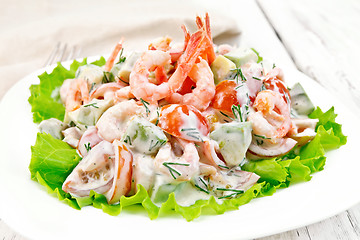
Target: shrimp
123,94
112,123
197,45
180,168
205,27
204,92
162,44
77,94
110,62
272,118
106,91
140,85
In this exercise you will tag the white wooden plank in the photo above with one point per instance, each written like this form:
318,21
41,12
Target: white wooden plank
322,37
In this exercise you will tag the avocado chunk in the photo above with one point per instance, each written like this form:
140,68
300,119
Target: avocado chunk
92,73
123,70
89,113
143,136
221,68
234,139
241,56
300,101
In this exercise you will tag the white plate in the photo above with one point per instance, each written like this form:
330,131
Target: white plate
29,210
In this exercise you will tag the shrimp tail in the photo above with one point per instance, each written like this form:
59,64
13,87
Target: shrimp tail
110,62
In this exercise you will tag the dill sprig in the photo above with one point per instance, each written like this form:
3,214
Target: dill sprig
235,192
261,136
222,166
172,170
128,140
238,73
91,105
193,133
146,104
87,146
121,57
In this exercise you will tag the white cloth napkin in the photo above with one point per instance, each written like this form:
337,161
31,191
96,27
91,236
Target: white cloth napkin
31,30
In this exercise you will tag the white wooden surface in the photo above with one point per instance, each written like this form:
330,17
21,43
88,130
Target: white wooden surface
321,39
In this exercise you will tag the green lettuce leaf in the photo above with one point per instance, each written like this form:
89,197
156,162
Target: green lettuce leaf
53,160
45,97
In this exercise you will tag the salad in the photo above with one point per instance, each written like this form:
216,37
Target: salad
179,127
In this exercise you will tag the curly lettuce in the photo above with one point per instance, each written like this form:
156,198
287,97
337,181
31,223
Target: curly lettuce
52,160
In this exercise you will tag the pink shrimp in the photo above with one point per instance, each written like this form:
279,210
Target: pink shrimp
123,94
140,85
198,44
162,44
272,118
78,94
110,62
203,93
106,91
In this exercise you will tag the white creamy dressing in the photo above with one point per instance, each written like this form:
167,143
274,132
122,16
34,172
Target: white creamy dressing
143,170
191,128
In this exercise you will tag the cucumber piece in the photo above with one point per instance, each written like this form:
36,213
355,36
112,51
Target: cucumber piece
221,68
234,139
300,101
241,56
143,136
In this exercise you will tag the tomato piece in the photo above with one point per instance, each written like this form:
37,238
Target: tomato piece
225,96
184,121
187,86
274,83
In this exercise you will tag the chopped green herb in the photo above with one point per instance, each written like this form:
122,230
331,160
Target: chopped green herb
201,189
274,66
222,166
261,136
87,146
128,140
256,78
146,104
158,116
91,105
92,86
230,189
259,142
172,170
188,129
121,57
238,73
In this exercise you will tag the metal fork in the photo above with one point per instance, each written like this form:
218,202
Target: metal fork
61,53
